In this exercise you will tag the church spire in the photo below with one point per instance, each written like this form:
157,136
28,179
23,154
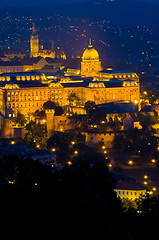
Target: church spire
90,43
33,29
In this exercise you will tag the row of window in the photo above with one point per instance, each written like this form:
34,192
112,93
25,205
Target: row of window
129,193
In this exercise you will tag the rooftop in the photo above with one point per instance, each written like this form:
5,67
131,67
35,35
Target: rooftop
115,71
129,185
24,84
15,74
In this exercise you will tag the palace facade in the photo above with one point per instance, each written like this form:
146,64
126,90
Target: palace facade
28,91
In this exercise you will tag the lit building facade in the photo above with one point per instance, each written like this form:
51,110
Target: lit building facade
28,91
90,64
22,76
37,51
129,190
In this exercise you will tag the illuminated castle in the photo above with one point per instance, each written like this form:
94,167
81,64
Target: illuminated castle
27,92
36,52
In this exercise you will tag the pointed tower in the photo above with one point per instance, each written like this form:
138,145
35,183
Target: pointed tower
90,64
34,43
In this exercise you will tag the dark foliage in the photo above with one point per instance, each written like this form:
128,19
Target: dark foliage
76,202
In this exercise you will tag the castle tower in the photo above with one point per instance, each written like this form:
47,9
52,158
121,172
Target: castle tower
34,43
90,64
50,121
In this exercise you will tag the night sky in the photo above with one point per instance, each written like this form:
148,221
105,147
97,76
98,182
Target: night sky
16,3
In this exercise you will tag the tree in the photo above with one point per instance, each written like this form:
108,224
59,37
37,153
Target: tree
52,105
119,142
74,100
49,105
83,190
60,140
59,111
36,134
90,106
19,121
39,114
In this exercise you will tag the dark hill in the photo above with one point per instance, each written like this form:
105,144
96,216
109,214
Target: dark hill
122,11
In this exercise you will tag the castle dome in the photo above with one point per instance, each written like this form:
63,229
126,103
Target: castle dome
90,53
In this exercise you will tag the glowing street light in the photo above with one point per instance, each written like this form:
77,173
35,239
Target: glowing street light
109,165
153,161
53,149
44,121
69,163
103,147
145,176
130,162
76,152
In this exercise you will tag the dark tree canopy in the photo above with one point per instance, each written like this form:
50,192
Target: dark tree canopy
90,106
78,199
49,105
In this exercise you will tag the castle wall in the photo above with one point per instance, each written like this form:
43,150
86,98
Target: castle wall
93,138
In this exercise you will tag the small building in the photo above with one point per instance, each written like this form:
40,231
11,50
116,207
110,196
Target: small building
44,158
106,137
58,123
131,121
129,189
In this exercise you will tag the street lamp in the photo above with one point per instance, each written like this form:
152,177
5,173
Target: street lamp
130,162
109,165
153,161
145,176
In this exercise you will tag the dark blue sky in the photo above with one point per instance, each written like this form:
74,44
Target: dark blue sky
7,3
16,3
